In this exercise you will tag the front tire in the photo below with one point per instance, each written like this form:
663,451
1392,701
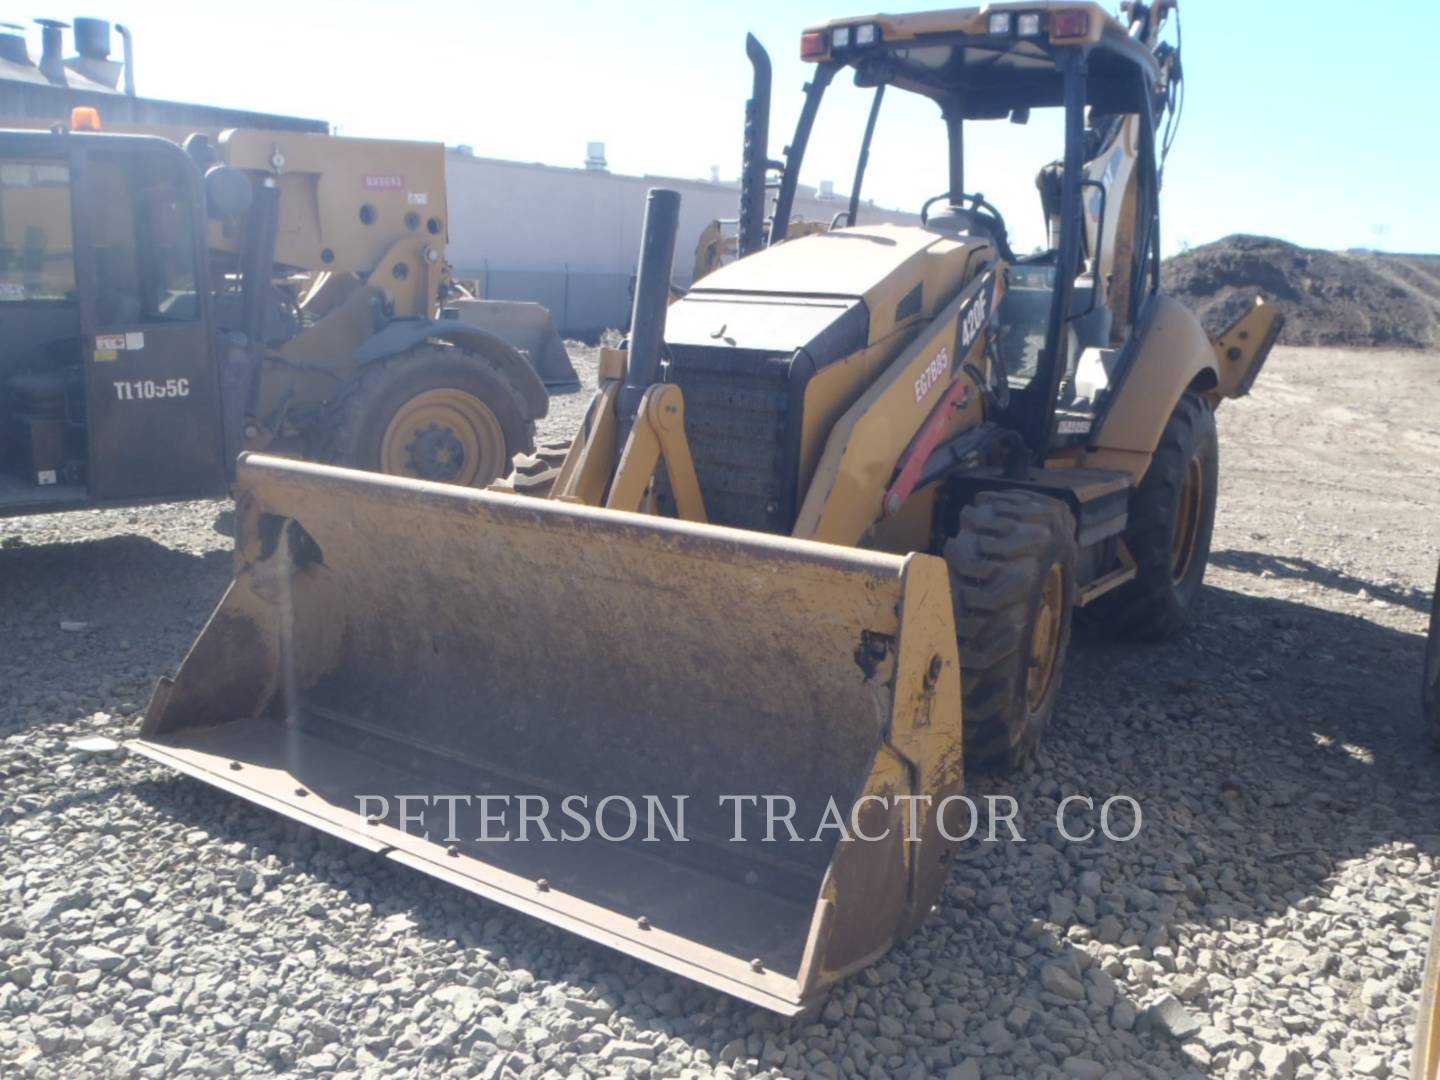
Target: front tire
1171,519
535,473
432,413
1012,575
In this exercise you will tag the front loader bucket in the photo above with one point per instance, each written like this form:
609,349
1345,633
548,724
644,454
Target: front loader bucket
529,328
386,637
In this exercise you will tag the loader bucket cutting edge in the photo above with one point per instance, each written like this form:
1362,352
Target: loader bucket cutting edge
388,637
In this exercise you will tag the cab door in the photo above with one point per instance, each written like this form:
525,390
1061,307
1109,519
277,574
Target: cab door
146,338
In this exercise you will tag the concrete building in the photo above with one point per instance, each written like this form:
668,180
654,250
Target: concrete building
570,238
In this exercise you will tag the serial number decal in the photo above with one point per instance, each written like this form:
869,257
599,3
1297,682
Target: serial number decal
934,371
149,389
387,182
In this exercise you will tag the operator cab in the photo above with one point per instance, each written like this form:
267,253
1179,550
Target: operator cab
107,387
1069,306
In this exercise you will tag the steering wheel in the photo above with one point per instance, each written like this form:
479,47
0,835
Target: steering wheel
985,215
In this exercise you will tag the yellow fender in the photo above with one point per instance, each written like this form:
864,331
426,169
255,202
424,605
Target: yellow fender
1174,355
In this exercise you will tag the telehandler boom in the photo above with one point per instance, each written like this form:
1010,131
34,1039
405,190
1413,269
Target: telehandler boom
815,548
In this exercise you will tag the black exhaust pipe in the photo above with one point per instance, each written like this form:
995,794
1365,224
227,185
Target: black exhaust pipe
755,158
652,297
52,50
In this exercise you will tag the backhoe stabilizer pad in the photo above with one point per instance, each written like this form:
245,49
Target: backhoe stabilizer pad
387,637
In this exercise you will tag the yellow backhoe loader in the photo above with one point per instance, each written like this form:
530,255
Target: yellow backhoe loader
815,548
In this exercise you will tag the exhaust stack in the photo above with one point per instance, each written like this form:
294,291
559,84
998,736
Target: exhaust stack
12,45
128,52
92,43
755,159
52,60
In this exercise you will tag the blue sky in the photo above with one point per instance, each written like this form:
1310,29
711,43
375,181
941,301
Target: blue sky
1309,120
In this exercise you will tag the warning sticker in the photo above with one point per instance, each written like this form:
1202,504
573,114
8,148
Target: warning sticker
102,355
418,198
135,339
388,182
109,342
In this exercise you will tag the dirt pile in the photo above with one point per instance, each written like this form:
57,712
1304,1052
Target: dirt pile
1355,298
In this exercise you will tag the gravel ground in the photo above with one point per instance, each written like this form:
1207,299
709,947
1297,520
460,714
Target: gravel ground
1269,920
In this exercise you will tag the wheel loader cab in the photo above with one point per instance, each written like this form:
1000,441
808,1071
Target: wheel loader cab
107,382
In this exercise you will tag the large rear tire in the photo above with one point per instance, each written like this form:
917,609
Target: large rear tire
1172,516
1012,574
433,413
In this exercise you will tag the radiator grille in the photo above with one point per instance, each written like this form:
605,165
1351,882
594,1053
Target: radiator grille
737,416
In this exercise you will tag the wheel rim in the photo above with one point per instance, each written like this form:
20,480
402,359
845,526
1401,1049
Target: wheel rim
1187,520
1045,638
445,435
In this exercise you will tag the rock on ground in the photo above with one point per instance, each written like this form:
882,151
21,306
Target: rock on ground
1279,891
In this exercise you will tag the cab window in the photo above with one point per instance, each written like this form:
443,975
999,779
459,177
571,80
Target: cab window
144,237
37,253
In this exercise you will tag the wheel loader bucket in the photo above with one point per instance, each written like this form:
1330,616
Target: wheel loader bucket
590,716
530,328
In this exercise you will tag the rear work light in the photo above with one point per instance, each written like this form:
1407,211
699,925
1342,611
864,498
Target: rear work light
1028,25
840,37
867,34
1000,23
1070,24
813,45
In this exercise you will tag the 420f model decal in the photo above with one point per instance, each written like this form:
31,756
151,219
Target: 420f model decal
973,317
976,313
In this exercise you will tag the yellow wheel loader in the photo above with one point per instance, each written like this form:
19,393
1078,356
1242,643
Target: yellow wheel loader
166,308
815,548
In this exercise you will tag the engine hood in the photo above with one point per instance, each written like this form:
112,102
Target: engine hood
857,284
846,262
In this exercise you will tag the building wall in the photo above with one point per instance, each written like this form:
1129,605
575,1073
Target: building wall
570,238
